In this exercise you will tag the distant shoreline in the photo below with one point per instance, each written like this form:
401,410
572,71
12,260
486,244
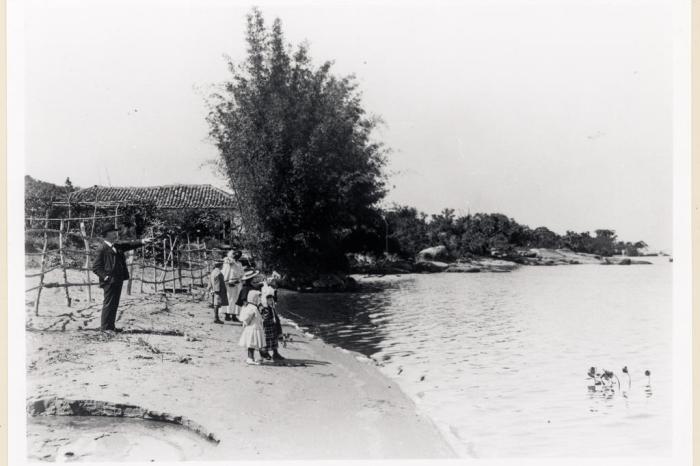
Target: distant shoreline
502,263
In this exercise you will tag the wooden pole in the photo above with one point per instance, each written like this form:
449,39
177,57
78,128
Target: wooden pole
165,262
179,269
189,262
172,265
63,262
43,265
206,259
155,281
200,265
143,265
94,216
116,214
87,260
68,219
131,271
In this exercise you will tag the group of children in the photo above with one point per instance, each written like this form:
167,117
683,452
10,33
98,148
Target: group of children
255,306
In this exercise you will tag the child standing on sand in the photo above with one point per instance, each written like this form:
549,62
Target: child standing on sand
217,287
271,323
253,336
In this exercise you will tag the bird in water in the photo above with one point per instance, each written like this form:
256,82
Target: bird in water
629,377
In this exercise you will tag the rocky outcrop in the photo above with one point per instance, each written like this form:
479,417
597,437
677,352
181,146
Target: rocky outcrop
435,253
64,407
623,261
334,282
430,266
367,264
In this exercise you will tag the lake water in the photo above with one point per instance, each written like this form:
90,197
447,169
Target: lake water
499,360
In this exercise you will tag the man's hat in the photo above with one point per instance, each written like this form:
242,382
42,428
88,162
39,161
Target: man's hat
107,229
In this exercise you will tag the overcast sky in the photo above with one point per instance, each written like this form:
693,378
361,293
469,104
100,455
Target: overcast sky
556,113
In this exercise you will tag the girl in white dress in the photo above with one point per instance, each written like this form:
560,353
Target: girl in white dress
253,335
232,271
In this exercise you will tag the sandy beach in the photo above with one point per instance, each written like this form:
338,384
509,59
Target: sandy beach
322,403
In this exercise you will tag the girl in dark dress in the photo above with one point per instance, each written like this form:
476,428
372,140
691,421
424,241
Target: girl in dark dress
271,325
247,286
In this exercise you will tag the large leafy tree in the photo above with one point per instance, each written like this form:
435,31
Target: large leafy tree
295,144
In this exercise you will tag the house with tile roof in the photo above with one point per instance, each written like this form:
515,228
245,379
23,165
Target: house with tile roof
177,201
176,196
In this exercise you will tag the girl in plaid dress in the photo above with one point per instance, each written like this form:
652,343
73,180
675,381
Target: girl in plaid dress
271,323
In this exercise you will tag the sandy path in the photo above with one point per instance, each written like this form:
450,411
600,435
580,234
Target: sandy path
324,405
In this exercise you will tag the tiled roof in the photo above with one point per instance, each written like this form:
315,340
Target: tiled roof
177,196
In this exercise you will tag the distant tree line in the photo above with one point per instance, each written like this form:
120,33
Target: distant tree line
484,234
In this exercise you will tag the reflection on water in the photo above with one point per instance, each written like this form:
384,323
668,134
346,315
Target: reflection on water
90,438
499,361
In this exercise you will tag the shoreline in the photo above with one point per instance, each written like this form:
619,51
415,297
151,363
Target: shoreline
256,412
536,257
455,444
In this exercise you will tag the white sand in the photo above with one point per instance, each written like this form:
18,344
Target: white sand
325,405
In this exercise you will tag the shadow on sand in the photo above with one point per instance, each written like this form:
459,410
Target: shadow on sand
297,363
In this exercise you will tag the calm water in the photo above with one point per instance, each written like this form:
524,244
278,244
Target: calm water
499,360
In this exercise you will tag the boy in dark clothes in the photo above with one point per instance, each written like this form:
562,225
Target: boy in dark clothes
217,287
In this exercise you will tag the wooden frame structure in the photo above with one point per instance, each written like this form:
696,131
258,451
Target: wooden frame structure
172,265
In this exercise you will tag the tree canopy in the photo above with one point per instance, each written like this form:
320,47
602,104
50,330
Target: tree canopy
295,144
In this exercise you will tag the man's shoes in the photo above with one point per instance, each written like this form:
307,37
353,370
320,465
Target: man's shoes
266,356
277,357
234,318
227,317
118,330
218,321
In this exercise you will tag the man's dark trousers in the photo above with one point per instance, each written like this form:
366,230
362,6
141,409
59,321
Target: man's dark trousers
112,293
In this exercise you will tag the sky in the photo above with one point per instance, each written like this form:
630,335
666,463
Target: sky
556,113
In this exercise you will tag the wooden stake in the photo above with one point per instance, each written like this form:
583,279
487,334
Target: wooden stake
43,265
155,281
87,260
94,216
200,266
189,262
165,262
63,262
179,270
143,265
172,265
131,271
208,272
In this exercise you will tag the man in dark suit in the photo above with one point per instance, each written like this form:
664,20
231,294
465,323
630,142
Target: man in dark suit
110,267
